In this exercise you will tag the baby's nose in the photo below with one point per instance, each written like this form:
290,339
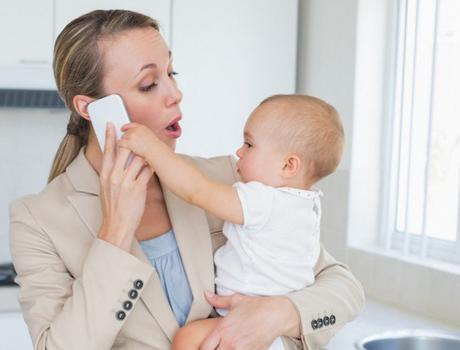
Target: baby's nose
239,152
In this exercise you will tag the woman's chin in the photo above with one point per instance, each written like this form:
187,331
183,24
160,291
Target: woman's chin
171,143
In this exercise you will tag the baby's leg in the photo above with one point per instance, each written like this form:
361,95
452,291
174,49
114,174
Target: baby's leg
190,336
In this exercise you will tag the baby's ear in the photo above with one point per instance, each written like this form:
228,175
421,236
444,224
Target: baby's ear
292,165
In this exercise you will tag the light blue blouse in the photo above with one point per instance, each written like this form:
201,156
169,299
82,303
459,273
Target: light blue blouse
163,253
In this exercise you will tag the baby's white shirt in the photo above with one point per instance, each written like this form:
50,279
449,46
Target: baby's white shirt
276,248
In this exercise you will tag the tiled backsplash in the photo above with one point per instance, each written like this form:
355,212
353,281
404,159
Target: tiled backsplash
421,289
28,142
334,218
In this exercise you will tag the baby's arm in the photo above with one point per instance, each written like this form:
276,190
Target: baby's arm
184,179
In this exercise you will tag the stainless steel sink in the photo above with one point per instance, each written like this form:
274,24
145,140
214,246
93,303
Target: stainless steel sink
410,340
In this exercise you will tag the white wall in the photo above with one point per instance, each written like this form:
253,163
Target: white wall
326,69
28,140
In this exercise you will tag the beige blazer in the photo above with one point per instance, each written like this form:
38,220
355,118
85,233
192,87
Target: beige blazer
73,285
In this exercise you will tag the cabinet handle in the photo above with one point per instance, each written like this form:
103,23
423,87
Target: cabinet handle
23,61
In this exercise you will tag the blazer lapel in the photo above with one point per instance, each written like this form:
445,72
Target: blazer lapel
85,200
193,239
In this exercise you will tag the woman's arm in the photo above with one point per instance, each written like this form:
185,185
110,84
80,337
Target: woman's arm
335,299
63,312
254,322
182,177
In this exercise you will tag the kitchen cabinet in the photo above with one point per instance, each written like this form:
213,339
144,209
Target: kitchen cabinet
67,10
26,35
230,55
28,30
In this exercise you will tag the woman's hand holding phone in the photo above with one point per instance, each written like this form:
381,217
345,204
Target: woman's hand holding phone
123,192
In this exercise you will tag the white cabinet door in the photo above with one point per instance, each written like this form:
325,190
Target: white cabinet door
67,10
26,34
230,56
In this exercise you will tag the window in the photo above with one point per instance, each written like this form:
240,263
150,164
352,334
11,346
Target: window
423,207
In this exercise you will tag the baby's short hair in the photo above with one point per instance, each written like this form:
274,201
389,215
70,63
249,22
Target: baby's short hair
309,127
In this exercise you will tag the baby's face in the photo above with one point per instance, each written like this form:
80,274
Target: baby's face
259,158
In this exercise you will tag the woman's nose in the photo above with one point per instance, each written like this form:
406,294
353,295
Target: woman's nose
174,95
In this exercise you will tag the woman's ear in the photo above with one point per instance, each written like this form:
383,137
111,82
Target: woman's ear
80,103
291,166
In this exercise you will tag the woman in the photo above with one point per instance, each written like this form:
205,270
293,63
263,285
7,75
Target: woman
84,247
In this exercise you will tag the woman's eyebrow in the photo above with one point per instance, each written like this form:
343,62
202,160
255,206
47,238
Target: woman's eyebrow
146,66
152,65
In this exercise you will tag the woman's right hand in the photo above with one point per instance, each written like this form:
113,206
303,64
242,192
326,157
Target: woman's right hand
123,192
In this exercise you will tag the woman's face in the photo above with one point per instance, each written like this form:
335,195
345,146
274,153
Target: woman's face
138,67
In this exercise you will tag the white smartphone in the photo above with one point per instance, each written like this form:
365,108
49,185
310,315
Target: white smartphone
112,109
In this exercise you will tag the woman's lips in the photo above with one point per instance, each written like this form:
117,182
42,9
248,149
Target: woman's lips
174,130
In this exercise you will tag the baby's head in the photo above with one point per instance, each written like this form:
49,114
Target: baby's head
291,140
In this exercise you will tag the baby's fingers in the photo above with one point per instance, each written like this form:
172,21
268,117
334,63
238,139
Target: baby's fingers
129,126
123,143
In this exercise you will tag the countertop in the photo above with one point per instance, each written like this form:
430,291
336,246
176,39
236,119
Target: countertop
378,317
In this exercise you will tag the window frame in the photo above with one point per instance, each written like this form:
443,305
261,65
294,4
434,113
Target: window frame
404,243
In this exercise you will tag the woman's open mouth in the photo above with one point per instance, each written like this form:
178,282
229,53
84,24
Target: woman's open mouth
174,129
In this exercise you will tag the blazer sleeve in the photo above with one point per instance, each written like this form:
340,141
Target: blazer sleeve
335,298
63,312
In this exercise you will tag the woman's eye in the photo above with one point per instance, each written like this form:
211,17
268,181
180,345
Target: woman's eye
154,84
148,87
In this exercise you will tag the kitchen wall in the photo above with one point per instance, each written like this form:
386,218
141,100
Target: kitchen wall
28,138
326,68
341,58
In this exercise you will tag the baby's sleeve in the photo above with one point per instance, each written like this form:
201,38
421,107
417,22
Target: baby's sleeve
257,202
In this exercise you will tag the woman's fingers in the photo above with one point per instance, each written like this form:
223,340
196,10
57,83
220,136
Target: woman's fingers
120,161
145,176
133,170
219,301
109,150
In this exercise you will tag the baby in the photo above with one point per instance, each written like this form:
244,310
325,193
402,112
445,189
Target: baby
272,217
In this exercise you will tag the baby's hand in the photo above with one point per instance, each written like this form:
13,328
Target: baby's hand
137,138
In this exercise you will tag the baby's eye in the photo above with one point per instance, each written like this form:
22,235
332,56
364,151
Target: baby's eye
247,144
171,74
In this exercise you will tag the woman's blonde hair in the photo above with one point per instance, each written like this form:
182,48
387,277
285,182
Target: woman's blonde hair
78,70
